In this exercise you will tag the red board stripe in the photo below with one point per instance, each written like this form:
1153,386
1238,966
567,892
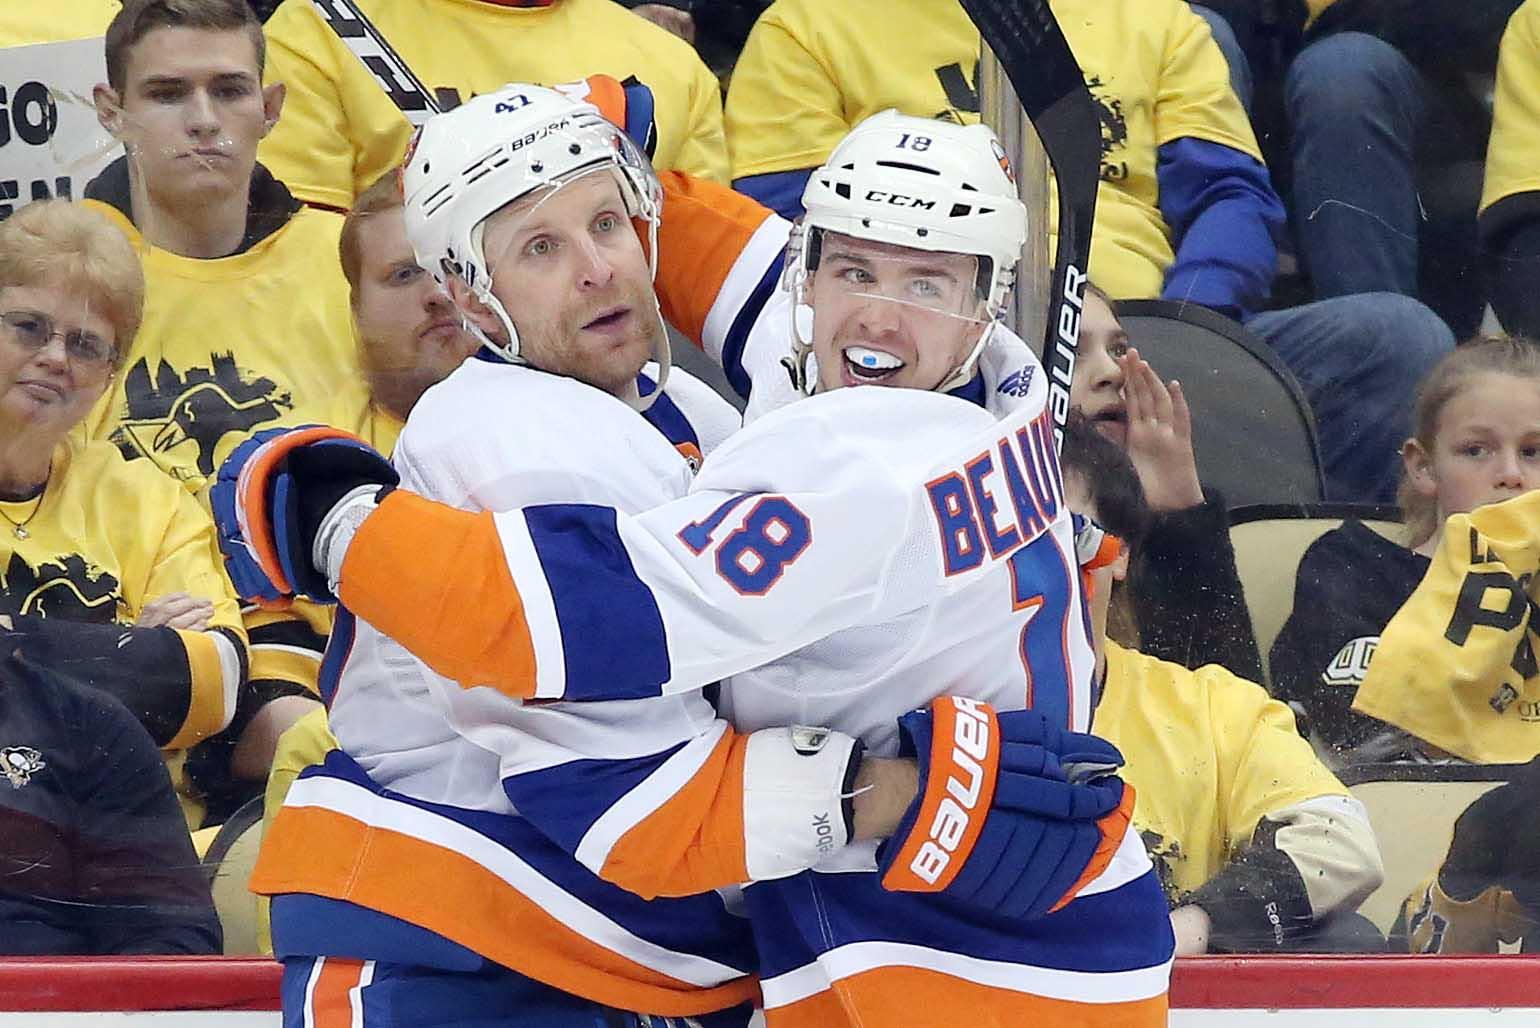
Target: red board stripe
139,983
219,983
1241,983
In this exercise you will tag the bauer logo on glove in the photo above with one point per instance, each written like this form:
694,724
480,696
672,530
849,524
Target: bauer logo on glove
1013,814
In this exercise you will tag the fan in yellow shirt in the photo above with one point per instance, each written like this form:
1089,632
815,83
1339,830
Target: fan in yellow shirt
1259,846
810,71
109,574
341,131
246,323
409,334
1185,210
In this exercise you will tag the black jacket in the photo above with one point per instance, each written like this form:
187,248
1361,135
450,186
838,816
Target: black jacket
1187,595
95,854
1350,584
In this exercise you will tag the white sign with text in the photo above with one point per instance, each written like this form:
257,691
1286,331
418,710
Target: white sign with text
50,141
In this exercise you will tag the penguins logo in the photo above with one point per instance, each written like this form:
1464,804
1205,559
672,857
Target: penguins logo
70,589
20,763
170,415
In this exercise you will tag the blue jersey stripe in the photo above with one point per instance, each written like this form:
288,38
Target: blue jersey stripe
738,335
665,415
698,925
612,634
338,646
317,926
566,800
797,918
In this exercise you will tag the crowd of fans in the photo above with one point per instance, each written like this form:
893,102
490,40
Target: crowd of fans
243,264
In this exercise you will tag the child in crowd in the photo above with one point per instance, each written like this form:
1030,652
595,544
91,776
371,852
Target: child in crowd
1477,441
1185,590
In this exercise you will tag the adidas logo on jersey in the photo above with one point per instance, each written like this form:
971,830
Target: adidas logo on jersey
1017,383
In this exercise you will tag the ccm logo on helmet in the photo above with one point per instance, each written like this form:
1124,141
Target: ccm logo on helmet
899,200
970,744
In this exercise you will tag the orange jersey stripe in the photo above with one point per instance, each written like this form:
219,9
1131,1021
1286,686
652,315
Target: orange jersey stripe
704,229
330,1004
907,995
1113,827
435,579
323,853
694,842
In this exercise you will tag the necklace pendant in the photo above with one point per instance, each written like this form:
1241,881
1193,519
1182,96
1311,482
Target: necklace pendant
22,533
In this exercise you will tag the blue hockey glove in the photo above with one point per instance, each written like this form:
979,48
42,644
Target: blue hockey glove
269,499
1013,814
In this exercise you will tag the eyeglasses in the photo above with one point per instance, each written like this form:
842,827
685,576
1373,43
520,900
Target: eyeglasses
32,331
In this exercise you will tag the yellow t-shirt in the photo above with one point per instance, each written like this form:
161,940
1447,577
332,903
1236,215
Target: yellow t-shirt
261,339
107,537
1513,152
1456,667
229,346
339,131
1209,755
24,23
812,70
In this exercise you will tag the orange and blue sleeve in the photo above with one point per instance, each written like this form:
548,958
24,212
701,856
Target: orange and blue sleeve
670,823
720,256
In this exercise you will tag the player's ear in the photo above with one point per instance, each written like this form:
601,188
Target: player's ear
1418,463
476,312
272,105
109,108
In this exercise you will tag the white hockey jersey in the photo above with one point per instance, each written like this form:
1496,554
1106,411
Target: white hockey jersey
835,947
841,560
405,845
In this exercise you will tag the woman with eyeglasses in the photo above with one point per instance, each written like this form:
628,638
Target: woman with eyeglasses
109,575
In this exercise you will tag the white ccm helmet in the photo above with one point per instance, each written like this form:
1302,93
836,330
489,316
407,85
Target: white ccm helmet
468,163
914,182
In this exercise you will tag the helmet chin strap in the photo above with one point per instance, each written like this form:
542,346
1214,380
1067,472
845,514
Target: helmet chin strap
663,353
964,371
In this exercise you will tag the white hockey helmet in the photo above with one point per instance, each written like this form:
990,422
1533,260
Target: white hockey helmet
919,183
468,163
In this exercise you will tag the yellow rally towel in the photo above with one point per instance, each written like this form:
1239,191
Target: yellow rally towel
1456,665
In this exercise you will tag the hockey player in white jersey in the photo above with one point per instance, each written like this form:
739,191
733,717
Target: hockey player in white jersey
929,533
517,812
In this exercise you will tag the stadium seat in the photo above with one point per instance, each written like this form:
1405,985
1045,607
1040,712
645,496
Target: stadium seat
1253,431
1270,540
229,861
1413,808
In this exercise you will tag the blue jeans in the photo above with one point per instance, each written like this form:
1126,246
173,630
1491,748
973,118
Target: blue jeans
1360,360
1355,105
1235,57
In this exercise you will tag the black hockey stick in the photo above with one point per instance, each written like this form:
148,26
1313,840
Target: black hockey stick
374,51
1032,50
